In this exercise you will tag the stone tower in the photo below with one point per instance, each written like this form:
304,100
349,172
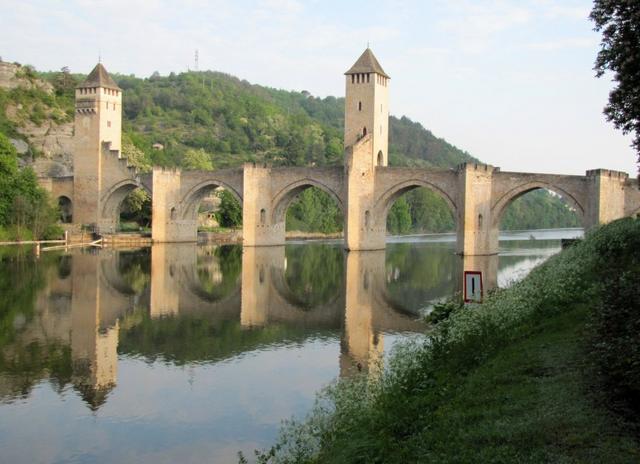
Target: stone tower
98,121
367,106
366,142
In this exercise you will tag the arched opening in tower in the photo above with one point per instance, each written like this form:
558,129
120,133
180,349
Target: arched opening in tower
65,209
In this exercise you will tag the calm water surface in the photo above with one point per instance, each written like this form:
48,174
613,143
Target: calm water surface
184,353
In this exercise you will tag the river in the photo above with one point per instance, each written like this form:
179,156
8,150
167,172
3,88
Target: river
186,353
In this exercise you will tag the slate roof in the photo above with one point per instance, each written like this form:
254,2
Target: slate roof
99,77
367,63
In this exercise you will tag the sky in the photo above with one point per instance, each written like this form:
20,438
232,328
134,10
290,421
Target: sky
509,81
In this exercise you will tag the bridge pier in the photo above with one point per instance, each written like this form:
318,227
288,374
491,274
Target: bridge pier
365,227
260,225
168,223
475,234
607,199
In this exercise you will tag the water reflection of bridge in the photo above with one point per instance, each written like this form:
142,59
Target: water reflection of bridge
263,297
97,303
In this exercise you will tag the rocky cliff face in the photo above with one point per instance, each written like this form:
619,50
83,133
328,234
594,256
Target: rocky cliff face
49,143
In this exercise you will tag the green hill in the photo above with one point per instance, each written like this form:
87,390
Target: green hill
211,119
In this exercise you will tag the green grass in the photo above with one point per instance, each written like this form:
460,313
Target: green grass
540,372
530,402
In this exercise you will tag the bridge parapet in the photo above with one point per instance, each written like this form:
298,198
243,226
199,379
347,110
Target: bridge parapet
470,166
607,173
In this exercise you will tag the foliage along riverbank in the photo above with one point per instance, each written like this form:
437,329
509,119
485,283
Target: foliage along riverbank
547,370
26,211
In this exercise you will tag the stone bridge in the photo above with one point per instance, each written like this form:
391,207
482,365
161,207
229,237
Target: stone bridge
477,195
364,189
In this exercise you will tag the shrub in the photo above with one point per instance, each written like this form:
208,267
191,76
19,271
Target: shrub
442,310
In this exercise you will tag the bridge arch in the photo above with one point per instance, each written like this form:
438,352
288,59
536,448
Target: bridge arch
388,198
112,200
284,197
500,205
191,200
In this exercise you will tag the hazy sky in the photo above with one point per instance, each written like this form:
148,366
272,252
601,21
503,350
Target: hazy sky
509,81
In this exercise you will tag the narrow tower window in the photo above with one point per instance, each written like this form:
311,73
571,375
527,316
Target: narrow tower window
364,131
359,106
367,218
353,78
263,216
380,158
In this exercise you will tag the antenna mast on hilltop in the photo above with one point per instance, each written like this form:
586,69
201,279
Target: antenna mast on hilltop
197,68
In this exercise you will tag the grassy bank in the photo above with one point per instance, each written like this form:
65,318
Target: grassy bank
545,371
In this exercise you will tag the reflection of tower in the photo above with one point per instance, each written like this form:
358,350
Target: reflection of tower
165,279
362,345
487,264
258,266
94,330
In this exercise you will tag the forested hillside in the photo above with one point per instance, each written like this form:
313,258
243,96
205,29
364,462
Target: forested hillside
210,120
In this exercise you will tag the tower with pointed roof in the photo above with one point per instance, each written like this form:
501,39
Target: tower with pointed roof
367,106
366,143
98,121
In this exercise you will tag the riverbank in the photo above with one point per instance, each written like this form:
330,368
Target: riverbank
545,371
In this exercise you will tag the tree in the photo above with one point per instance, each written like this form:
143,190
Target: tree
619,21
135,156
399,217
23,204
137,207
230,212
197,159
